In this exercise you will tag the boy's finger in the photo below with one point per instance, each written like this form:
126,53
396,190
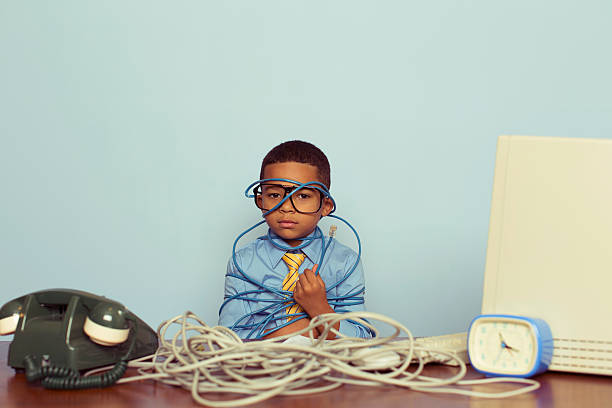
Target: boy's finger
311,273
307,276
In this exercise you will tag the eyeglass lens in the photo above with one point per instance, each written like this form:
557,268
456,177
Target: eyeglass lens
304,200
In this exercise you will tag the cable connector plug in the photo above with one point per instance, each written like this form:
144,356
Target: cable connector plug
332,231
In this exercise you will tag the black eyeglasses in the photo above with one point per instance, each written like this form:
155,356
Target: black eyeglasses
305,200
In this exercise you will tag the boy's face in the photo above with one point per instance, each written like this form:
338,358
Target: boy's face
285,221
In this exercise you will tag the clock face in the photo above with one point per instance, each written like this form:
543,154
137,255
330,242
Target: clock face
503,345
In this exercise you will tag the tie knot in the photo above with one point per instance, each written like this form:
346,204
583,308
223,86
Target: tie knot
293,261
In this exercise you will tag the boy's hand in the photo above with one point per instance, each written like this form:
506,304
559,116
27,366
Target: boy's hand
310,293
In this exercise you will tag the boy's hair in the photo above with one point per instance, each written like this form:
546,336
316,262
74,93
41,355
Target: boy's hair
301,152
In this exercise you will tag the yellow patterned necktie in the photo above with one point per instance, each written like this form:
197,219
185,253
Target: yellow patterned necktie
293,262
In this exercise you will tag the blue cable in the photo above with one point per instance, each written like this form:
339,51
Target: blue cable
282,298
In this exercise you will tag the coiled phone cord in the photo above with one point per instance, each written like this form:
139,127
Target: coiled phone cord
204,359
62,378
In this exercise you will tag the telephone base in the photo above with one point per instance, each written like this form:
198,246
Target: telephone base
51,328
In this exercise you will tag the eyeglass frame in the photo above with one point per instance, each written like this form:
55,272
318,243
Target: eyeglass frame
289,191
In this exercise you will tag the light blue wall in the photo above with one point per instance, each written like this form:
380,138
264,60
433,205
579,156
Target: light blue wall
129,130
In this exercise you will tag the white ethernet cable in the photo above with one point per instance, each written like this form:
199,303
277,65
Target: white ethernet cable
206,359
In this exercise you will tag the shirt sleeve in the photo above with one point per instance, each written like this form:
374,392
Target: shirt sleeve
233,309
350,295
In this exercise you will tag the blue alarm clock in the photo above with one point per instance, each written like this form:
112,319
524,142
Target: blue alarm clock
511,346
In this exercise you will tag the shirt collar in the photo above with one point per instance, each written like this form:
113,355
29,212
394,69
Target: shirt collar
312,251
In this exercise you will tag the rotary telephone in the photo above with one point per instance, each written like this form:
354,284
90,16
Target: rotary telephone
59,332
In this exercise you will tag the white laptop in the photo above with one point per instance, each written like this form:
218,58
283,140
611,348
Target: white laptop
549,251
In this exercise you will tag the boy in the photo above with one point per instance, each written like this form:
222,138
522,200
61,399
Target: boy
268,262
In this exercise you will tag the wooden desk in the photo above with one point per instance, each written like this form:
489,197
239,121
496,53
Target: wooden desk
558,390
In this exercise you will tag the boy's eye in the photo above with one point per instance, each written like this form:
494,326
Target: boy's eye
273,196
303,196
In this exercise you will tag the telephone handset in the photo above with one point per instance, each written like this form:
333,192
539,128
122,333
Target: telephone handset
59,332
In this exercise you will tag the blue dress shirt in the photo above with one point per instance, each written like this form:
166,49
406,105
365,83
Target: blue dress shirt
262,262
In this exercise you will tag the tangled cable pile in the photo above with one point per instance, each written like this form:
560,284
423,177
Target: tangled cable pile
206,359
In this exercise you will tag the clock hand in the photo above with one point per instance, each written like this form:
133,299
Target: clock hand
503,342
506,345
